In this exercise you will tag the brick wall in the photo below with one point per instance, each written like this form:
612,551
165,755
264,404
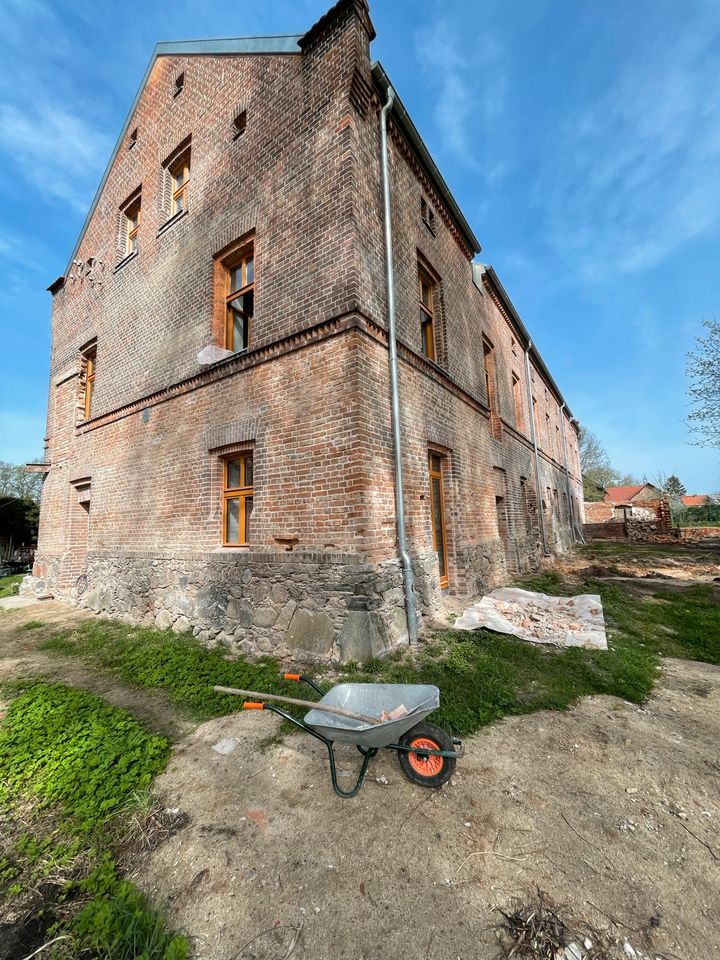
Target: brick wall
310,396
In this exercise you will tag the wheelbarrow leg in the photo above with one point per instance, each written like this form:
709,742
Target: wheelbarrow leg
368,753
367,757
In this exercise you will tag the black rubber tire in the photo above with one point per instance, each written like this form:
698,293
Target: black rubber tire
427,731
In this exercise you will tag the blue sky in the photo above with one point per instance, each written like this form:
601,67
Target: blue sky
582,141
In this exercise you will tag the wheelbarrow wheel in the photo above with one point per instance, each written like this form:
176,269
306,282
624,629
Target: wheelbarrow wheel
427,770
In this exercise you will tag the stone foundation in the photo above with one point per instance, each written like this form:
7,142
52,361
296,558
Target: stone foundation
315,606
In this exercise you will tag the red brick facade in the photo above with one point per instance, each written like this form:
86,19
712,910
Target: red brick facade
132,504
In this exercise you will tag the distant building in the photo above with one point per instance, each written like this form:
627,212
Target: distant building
696,500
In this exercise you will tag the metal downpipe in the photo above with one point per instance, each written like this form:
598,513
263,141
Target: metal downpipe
533,437
410,607
574,525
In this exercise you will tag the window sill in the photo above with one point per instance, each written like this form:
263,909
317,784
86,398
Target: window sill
233,548
125,260
169,223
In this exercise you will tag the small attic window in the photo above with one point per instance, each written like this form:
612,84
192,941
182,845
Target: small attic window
179,84
239,124
132,140
427,214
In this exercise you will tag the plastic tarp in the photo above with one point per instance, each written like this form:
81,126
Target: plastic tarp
536,617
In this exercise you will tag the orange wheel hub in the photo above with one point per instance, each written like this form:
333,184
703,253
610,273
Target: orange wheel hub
426,766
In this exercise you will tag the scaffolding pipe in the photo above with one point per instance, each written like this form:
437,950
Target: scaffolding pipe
533,437
407,570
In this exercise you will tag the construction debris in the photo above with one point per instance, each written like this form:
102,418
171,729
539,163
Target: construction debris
560,621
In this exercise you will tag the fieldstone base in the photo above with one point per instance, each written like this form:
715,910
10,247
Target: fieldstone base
309,606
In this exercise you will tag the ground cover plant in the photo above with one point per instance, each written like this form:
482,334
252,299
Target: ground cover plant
71,769
9,585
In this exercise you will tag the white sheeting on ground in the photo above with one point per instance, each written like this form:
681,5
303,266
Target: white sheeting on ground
561,621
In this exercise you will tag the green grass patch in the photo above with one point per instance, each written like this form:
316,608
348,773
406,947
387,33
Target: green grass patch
162,660
72,768
69,749
33,624
485,676
9,586
118,923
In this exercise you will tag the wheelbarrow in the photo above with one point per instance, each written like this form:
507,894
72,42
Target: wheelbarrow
426,753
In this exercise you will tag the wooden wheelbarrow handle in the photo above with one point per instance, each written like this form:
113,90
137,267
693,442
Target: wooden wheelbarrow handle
326,708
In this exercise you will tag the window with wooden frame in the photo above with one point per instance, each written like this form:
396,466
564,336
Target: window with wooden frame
239,271
132,214
518,403
89,361
237,499
437,513
428,312
179,172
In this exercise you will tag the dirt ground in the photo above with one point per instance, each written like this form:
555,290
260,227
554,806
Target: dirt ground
611,809
607,808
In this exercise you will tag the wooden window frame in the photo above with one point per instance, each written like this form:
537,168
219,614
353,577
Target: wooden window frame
490,369
243,493
90,363
240,259
180,163
428,314
438,475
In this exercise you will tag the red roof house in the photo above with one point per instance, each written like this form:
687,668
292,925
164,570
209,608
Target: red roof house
632,494
695,500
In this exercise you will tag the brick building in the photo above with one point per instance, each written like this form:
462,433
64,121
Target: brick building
219,448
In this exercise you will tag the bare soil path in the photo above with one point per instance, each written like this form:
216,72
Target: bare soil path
20,658
611,809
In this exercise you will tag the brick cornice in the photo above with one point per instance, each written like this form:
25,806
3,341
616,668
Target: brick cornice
398,138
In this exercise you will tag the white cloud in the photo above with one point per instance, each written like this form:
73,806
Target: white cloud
55,150
468,91
636,176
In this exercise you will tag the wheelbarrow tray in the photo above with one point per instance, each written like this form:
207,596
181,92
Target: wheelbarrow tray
372,699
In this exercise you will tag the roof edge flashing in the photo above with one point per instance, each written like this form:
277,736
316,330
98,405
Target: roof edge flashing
404,121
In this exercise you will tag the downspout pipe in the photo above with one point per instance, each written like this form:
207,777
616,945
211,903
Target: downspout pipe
574,524
536,456
410,607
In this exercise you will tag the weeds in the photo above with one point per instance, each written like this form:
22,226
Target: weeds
70,749
72,770
162,660
9,586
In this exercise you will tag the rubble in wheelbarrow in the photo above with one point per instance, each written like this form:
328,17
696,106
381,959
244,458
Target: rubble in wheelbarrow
562,621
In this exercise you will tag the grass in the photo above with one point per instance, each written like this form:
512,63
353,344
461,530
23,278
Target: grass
162,660
482,676
71,768
69,749
9,586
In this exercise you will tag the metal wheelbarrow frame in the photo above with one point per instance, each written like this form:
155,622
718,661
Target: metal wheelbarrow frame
426,753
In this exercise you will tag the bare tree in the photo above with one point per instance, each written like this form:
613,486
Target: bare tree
596,468
15,481
704,372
